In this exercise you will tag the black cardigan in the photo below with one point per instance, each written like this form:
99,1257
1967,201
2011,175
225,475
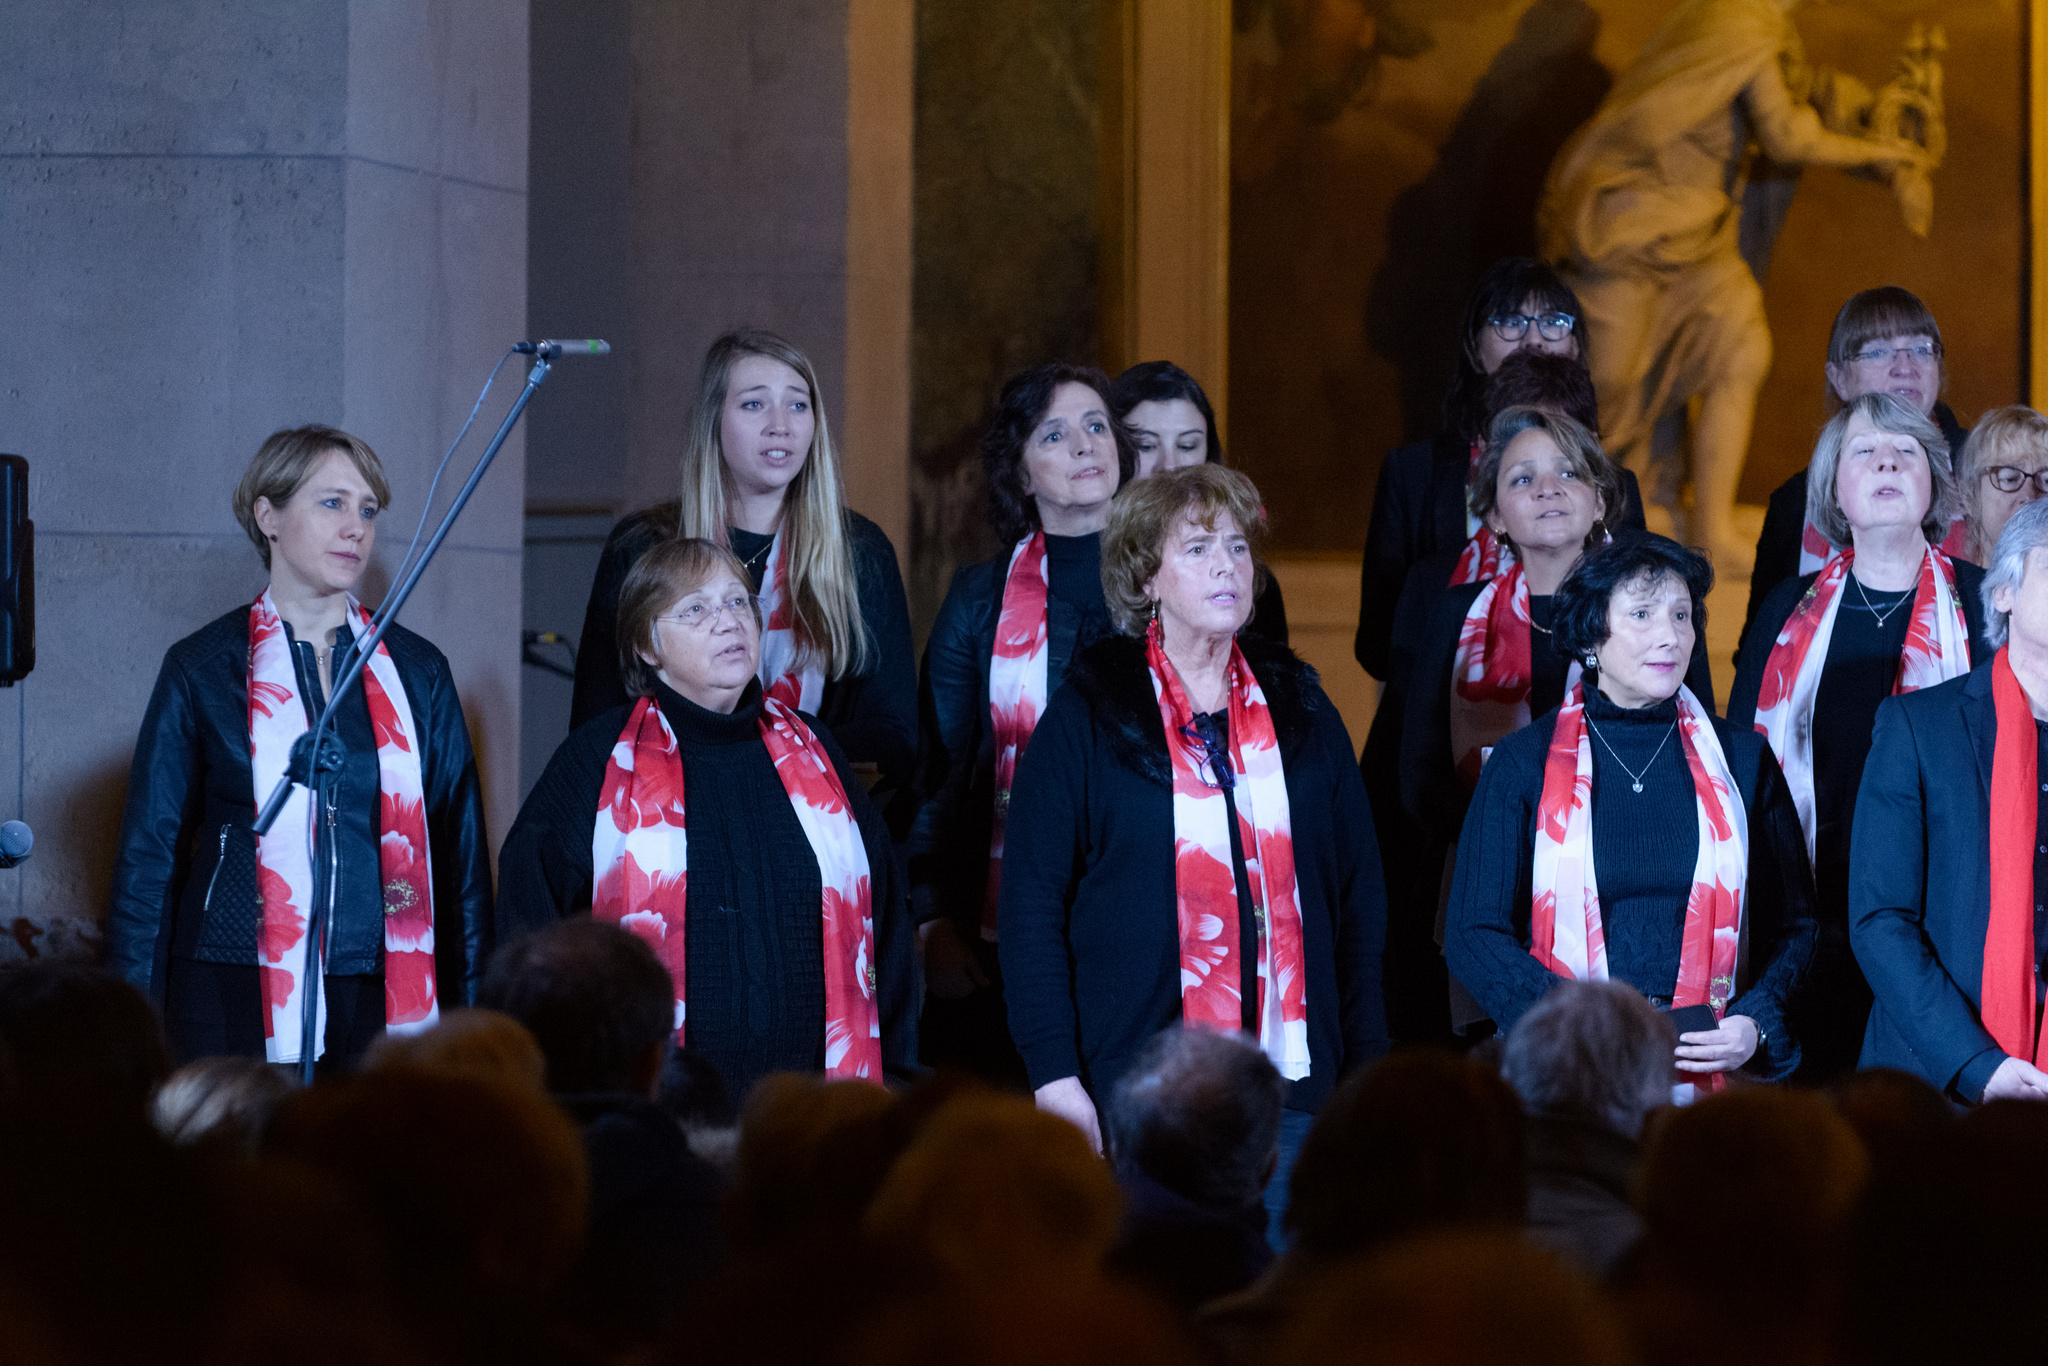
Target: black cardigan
191,779
1434,614
956,760
1486,933
1090,942
1920,883
1777,547
1418,509
874,714
756,985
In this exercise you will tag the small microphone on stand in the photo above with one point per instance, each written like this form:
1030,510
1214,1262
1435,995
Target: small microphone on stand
16,839
550,350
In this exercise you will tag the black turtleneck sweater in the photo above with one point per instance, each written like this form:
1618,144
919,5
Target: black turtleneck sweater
755,987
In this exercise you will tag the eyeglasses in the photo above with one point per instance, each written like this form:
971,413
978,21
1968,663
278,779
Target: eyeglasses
1882,355
1515,326
1209,736
2011,478
702,616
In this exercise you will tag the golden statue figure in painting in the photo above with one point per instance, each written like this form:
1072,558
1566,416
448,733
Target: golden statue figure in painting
1661,211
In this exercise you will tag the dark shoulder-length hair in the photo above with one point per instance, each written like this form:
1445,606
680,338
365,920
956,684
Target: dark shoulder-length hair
1502,289
1578,611
1537,379
1012,511
1161,381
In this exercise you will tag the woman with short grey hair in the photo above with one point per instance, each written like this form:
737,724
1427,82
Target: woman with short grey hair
1890,612
2025,532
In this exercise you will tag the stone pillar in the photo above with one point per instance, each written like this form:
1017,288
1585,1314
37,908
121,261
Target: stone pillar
223,220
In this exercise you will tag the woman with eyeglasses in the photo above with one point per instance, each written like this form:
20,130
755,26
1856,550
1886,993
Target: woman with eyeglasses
1189,841
761,476
1631,835
1889,612
726,828
2002,467
1884,341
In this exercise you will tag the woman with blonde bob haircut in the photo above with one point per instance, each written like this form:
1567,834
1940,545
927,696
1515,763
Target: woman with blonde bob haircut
2003,467
1189,840
709,813
1889,612
209,919
760,476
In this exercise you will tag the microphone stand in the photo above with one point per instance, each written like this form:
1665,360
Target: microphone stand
317,755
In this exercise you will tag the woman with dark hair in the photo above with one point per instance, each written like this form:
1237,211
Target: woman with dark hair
713,815
1053,456
1418,507
1702,896
1189,839
760,475
1889,612
1172,426
208,918
1884,341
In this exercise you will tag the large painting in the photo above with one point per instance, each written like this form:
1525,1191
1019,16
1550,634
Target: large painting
1384,151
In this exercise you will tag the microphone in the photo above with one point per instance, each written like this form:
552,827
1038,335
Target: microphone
549,350
16,839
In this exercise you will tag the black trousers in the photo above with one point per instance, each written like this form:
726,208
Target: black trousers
216,1009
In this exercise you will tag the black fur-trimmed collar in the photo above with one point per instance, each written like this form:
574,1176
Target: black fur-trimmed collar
1110,675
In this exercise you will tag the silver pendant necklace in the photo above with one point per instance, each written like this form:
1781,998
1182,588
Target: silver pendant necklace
1635,777
1871,607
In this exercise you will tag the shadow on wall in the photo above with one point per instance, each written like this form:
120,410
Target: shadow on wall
1479,201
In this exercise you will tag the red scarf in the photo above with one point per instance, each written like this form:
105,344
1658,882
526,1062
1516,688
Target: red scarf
1937,648
1205,883
640,867
787,673
1566,932
1480,559
1491,669
284,872
1017,689
2007,1001
1815,549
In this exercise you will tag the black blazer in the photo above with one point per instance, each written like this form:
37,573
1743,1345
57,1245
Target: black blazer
1418,509
1091,944
191,779
1777,547
1434,615
956,758
1920,883
874,715
1486,934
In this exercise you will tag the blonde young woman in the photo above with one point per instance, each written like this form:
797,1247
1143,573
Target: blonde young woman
761,477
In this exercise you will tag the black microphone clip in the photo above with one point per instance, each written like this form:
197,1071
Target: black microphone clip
551,350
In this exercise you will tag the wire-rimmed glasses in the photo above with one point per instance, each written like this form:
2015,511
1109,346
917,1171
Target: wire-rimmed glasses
702,616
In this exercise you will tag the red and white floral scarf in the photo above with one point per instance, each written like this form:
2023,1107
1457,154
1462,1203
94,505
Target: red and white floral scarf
1480,559
1205,881
1566,933
284,870
1017,689
640,867
1491,669
1937,648
787,673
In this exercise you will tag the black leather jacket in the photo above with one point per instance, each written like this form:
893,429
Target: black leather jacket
191,793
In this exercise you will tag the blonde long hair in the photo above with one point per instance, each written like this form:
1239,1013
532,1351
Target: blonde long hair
823,591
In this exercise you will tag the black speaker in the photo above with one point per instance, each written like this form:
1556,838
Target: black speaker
17,573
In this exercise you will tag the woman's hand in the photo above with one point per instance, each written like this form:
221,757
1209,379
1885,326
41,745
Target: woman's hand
1718,1050
1068,1099
950,968
2016,1079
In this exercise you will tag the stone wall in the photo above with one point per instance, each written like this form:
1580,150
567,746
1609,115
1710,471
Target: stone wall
222,220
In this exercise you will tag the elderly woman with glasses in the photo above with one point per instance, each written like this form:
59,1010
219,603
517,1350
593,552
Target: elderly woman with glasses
1189,841
2003,467
1890,612
707,815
